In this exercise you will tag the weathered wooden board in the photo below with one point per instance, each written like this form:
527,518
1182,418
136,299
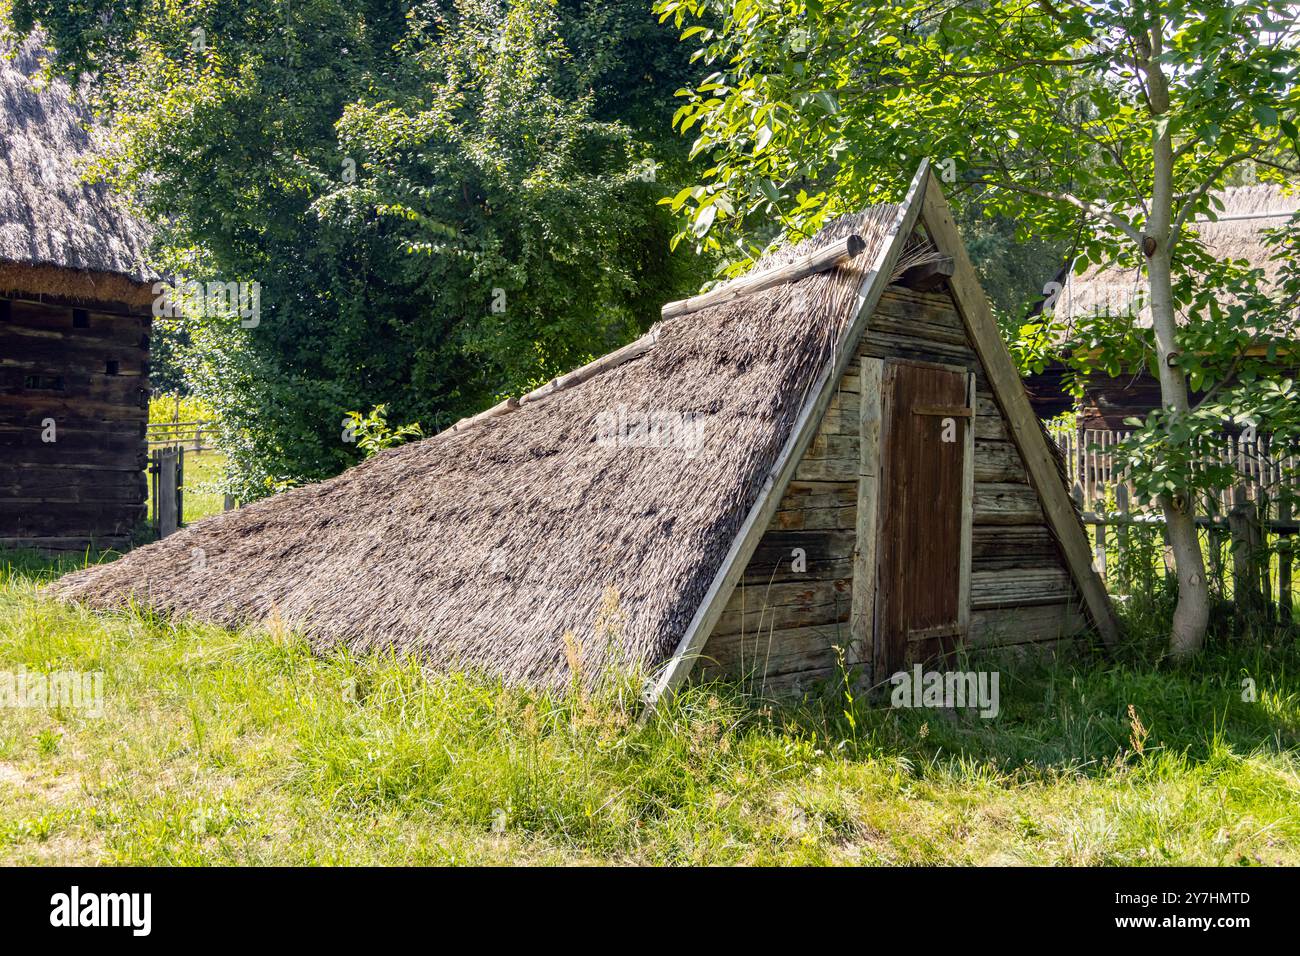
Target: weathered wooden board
1024,546
825,555
1021,587
999,461
64,519
1020,625
1003,503
785,605
769,653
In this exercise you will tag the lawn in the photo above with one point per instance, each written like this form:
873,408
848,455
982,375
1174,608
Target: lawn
217,747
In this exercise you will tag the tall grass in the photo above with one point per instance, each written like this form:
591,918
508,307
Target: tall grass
243,747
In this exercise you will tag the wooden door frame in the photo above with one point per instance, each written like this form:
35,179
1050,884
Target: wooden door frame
864,613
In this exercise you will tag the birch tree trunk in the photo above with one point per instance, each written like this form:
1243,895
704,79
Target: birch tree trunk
1192,613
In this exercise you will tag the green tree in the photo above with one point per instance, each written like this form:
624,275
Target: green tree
438,200
1124,114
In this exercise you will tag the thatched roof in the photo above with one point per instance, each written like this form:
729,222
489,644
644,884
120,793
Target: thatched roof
481,547
58,234
1248,212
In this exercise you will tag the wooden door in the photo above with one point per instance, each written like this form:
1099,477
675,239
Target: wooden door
926,481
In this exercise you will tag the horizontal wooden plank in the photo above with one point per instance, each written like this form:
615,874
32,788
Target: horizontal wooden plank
31,315
1021,587
1024,546
827,469
66,544
83,518
816,519
820,494
827,554
877,344
785,605
1002,503
999,461
1044,623
793,650
77,385
32,350
38,485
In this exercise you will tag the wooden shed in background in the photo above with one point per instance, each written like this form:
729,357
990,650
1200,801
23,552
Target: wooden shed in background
75,313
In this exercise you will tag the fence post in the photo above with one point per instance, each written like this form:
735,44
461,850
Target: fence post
1284,539
165,472
1244,528
1214,539
1122,536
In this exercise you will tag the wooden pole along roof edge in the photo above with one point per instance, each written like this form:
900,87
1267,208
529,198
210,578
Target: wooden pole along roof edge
821,260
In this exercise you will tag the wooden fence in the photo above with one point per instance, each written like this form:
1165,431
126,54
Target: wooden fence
1092,465
191,435
167,489
1247,533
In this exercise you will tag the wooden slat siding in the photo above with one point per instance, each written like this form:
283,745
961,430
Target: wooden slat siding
999,461
30,315
760,656
1021,587
996,547
828,556
784,604
74,544
1024,625
734,564
1006,504
1011,400
88,485
69,519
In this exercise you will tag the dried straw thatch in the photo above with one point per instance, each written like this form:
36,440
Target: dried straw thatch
1248,212
482,547
58,234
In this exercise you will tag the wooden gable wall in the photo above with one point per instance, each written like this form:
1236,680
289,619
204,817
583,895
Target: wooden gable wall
786,625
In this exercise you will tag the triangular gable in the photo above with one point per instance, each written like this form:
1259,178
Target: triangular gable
925,208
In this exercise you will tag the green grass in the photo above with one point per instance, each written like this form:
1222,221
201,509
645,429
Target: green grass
218,747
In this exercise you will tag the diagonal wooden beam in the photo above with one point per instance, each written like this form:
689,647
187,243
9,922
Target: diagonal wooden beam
1009,391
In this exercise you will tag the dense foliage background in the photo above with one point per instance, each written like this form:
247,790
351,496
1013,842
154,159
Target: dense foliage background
442,202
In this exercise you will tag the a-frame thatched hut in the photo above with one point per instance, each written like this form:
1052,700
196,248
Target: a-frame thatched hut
75,305
817,460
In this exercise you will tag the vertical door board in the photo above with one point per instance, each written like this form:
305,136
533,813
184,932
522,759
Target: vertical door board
863,611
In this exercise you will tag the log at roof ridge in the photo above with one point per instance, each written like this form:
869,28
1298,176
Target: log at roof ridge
820,260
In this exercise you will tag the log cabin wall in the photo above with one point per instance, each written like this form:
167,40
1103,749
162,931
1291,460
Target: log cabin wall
86,369
787,623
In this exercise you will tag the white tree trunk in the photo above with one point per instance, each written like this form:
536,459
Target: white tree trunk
1192,614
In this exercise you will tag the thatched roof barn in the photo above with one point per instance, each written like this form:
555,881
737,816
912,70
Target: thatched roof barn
1248,213
831,456
75,303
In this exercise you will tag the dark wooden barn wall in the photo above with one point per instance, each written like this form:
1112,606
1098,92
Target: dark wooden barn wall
787,629
88,371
